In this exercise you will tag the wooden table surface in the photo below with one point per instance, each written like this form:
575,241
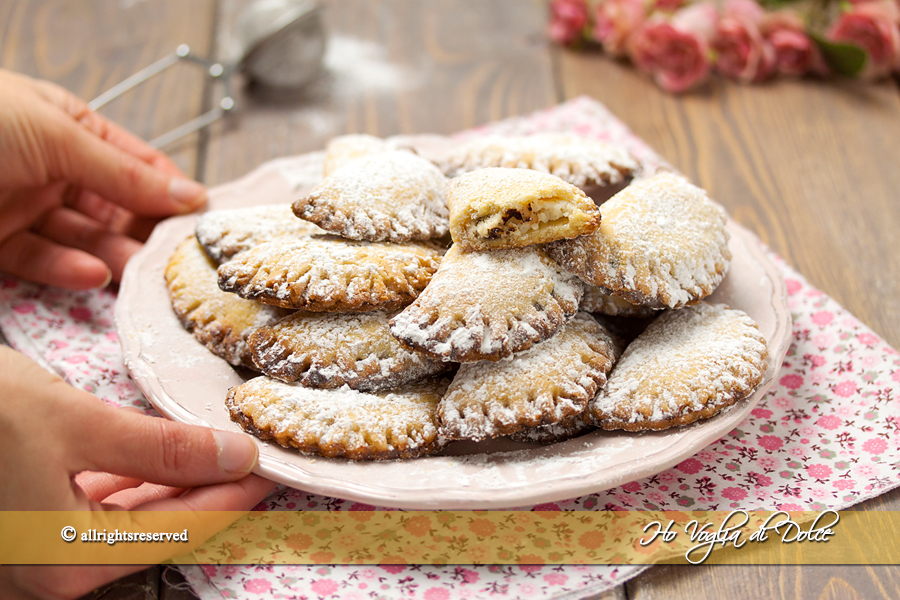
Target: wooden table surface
810,166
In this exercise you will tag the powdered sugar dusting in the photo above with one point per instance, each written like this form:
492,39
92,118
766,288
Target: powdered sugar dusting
223,233
579,161
393,195
342,422
662,242
332,350
324,273
542,385
489,304
688,364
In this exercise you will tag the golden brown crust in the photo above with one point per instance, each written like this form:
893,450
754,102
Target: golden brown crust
689,364
330,274
510,208
662,243
340,423
566,429
599,300
488,305
543,385
391,196
221,322
331,350
223,233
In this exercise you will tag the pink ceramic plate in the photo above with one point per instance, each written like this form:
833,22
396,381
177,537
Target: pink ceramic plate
187,383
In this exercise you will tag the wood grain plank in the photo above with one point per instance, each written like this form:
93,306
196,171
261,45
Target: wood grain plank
88,46
394,67
809,166
831,582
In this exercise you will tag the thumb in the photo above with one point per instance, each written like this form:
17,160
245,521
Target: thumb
161,451
77,155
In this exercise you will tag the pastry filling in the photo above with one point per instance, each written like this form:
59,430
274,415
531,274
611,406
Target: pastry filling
523,220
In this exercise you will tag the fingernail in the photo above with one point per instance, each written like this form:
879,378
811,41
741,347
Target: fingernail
237,452
187,192
105,281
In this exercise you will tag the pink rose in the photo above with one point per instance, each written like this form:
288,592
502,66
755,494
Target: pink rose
743,52
795,53
615,21
568,18
873,27
675,50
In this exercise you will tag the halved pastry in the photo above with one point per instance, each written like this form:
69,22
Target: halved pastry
577,160
344,148
662,243
391,196
509,208
688,364
488,305
225,232
545,384
599,300
222,322
331,274
341,423
330,350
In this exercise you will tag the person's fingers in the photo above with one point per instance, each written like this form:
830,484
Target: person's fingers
97,486
103,128
112,216
157,450
29,256
239,495
128,499
71,228
78,156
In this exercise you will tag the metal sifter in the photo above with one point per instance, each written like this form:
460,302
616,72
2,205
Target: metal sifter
277,43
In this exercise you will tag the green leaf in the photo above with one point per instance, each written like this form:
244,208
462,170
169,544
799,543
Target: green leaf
844,59
775,4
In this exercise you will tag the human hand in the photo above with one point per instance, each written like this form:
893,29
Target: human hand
77,193
64,449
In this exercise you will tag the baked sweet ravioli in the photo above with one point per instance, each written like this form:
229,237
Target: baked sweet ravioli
344,148
509,208
488,305
331,274
565,429
389,196
221,322
330,350
225,232
543,385
689,364
580,161
341,423
661,243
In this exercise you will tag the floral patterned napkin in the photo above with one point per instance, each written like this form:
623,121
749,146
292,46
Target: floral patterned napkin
826,436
